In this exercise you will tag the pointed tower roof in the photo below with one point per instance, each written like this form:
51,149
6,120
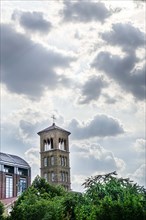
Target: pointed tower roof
53,127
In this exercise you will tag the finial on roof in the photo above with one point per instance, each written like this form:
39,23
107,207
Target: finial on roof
53,117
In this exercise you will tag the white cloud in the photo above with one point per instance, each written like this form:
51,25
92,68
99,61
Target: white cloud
140,145
95,158
33,158
139,175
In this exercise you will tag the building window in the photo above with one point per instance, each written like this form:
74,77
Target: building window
45,161
62,176
65,161
66,177
62,144
52,147
9,186
22,171
8,169
52,176
52,160
45,176
48,144
62,161
22,185
45,145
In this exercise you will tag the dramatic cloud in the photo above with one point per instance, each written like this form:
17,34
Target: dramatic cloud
32,21
123,71
84,11
92,89
95,158
99,126
28,68
125,35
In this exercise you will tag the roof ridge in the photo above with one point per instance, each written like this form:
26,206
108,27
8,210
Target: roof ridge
53,127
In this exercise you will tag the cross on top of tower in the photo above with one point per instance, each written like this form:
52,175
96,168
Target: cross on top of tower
53,117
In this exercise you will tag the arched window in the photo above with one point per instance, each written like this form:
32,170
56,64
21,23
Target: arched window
65,161
62,176
48,144
52,160
66,177
52,176
62,161
45,176
65,145
59,143
52,147
45,145
45,162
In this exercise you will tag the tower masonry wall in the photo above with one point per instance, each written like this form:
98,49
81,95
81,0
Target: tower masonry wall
58,153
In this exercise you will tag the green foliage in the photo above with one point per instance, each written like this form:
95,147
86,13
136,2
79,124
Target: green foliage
1,210
115,198
106,197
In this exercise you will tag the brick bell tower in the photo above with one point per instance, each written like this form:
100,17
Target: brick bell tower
54,155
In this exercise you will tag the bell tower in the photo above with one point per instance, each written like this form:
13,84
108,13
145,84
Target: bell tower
54,155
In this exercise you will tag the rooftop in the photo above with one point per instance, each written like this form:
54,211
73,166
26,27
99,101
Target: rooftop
53,127
13,159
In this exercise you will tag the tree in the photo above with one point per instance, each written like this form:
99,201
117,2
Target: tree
1,210
40,201
115,198
106,197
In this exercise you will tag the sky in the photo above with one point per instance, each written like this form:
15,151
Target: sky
84,62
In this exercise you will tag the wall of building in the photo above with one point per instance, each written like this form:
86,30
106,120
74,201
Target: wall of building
15,179
58,151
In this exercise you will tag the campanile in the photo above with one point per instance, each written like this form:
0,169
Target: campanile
54,155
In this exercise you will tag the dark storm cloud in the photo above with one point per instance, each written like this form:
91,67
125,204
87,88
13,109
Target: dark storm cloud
123,71
28,68
32,21
84,11
125,35
92,89
99,126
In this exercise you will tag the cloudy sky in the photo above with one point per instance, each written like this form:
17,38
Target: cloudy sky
83,61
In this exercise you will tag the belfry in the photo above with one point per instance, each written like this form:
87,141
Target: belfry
54,155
